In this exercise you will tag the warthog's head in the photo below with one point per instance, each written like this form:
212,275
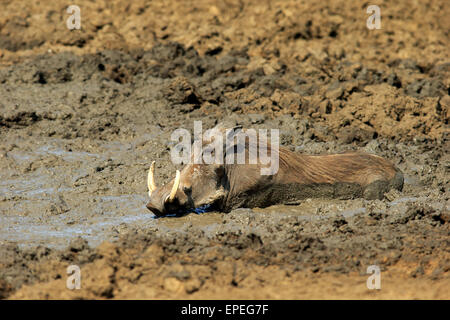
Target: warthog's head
196,186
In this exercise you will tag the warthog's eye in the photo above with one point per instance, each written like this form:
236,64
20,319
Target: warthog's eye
187,190
219,171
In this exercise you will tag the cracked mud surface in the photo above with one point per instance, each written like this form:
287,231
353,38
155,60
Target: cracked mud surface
83,114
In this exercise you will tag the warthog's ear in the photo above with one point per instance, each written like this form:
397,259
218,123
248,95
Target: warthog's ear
226,125
231,132
219,170
230,135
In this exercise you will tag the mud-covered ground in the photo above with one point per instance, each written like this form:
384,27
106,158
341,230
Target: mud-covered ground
84,112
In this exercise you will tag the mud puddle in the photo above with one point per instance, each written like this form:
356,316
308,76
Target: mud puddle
40,205
106,217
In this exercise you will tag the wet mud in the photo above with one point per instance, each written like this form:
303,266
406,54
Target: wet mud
84,113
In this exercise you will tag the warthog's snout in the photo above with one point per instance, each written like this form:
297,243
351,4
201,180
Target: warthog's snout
157,211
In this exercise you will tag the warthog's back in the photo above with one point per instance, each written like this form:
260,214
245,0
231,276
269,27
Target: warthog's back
342,176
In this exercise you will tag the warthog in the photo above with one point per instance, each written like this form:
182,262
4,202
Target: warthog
225,187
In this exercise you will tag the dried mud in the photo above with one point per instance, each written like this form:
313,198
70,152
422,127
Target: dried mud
83,113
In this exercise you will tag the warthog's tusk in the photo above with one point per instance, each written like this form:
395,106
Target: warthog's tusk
150,180
175,186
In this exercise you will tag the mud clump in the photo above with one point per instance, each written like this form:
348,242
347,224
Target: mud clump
84,112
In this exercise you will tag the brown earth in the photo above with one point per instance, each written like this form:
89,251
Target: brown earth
84,112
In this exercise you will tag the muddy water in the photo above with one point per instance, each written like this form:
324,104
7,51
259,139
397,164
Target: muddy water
108,216
43,191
